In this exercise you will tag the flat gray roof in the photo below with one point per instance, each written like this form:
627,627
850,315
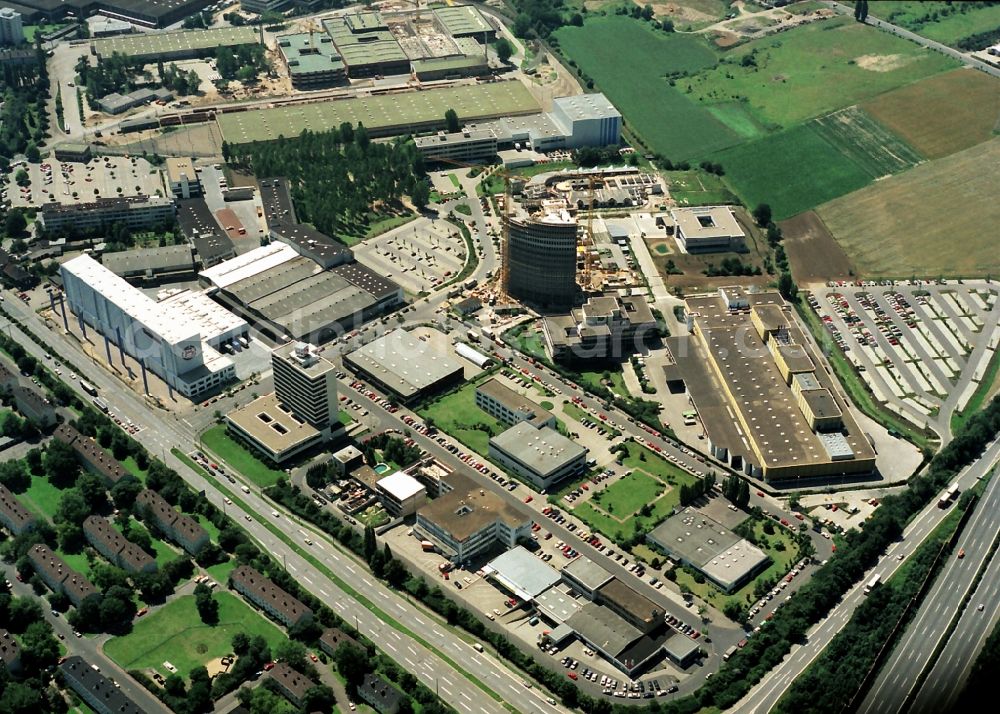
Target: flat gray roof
522,573
542,450
167,258
149,44
587,572
272,426
603,628
404,363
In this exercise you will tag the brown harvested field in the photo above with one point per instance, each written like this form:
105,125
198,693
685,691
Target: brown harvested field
941,114
938,218
813,253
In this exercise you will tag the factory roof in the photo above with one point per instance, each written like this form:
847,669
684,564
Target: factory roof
403,362
542,450
199,225
557,604
821,403
364,39
603,628
400,485
310,240
796,357
638,606
462,20
207,316
585,106
468,509
271,424
363,277
276,198
432,64
588,573
166,258
309,52
249,264
707,222
148,44
522,573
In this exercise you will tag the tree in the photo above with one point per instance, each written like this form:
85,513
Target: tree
352,663
319,699
91,487
60,464
208,607
451,120
647,12
762,214
124,492
420,194
32,153
199,695
861,10
503,49
15,223
72,509
576,19
292,653
787,287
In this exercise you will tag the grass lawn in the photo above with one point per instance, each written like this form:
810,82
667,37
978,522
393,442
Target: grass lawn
377,228
774,170
945,28
217,440
133,468
175,634
628,494
595,379
220,571
527,340
345,418
809,70
698,188
456,414
163,552
77,561
639,457
213,531
629,61
42,497
454,181
31,30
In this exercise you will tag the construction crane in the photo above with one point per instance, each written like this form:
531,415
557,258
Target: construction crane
312,27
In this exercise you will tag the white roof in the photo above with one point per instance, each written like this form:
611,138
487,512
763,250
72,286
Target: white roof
249,264
400,485
586,106
207,316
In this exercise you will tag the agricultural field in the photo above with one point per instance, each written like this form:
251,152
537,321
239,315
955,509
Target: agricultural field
628,61
807,71
946,22
698,188
792,171
930,221
941,114
813,254
866,142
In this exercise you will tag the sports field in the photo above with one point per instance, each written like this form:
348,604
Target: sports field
628,61
935,219
811,70
941,114
792,171
866,142
915,15
382,114
176,634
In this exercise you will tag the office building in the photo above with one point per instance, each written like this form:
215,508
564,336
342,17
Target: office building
13,515
58,576
400,494
99,692
311,60
183,181
505,405
306,383
11,27
160,335
283,607
470,146
109,542
541,252
404,366
607,327
540,455
135,212
469,521
178,527
707,229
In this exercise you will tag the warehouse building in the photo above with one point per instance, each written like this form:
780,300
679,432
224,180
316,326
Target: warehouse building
135,212
198,225
540,455
746,365
263,593
521,573
404,366
469,521
168,46
465,21
542,254
432,69
692,538
707,229
116,103
366,45
78,152
160,13
161,335
606,327
505,405
311,60
150,266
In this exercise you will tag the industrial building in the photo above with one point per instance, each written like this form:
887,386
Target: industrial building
692,538
768,409
182,178
542,255
302,411
98,691
135,212
149,266
404,366
540,455
167,46
311,60
79,152
505,405
366,45
707,229
400,494
198,225
521,573
161,13
263,593
173,337
469,521
262,6
606,327
116,103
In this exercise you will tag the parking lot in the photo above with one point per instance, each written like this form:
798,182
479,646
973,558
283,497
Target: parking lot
421,255
915,345
68,183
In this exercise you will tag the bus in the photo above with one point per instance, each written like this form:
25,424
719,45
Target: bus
872,583
948,496
88,388
101,404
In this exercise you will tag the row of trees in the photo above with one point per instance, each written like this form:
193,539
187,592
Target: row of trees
24,121
33,690
737,490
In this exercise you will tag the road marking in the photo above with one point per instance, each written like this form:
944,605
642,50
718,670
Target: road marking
308,579
324,593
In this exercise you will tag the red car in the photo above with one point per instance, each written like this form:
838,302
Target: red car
269,666
142,612
761,494
529,499
961,553
572,675
313,657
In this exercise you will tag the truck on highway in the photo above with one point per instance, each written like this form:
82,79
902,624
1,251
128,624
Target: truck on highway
88,388
948,496
101,404
872,583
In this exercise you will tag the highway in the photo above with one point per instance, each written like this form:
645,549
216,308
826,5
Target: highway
769,690
913,652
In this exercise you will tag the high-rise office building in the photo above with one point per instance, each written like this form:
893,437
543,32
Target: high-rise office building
11,28
306,383
541,252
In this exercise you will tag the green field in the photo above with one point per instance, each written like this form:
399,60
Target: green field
807,71
457,415
925,18
236,455
698,188
175,634
42,497
866,142
628,61
792,171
